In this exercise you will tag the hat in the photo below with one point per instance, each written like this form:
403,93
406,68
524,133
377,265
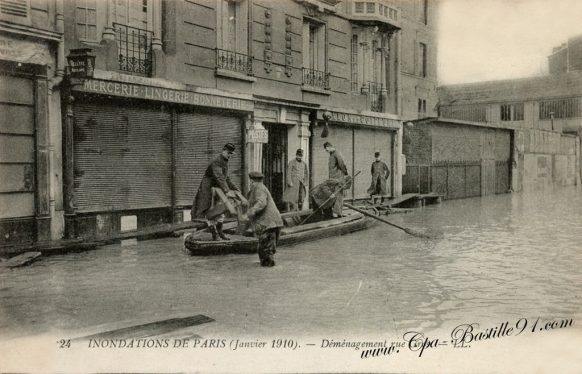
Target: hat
327,144
229,147
299,152
256,175
376,154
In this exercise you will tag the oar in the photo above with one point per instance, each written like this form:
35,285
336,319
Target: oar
405,229
330,197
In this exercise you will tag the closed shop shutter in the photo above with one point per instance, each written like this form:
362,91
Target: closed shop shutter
341,138
199,138
122,156
367,142
17,165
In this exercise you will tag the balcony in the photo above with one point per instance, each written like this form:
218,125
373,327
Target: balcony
234,62
375,96
316,79
378,12
134,50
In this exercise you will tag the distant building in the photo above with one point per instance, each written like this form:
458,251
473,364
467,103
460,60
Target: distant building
544,114
175,80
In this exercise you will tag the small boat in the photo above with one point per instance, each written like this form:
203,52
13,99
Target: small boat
200,243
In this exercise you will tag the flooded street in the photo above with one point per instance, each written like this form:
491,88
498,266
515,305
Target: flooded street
501,258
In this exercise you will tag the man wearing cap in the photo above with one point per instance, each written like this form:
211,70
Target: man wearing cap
380,174
264,218
297,179
216,175
337,171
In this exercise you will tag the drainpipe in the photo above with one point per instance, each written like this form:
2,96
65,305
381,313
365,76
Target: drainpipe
60,28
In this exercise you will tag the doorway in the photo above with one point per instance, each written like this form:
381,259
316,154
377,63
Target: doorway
275,161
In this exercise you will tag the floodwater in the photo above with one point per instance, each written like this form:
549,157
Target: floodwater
501,258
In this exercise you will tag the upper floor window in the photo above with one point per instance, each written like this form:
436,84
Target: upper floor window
314,54
422,60
15,11
354,63
370,7
232,26
512,112
86,20
421,108
561,108
359,7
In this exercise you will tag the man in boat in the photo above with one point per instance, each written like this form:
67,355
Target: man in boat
380,173
216,175
297,179
338,172
264,218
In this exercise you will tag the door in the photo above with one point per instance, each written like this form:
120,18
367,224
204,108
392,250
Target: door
275,161
17,153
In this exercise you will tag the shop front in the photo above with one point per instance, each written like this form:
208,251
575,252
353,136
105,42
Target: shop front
25,202
357,137
140,151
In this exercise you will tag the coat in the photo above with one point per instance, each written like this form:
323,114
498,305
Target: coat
337,167
216,175
380,174
298,177
262,212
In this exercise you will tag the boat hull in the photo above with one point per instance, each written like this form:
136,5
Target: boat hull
204,246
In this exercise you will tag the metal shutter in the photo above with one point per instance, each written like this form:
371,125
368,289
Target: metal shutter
17,153
341,138
200,137
366,143
122,156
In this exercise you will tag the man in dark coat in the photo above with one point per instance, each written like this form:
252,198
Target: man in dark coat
216,175
337,171
297,180
380,173
264,217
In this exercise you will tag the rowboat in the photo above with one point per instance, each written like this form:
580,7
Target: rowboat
295,231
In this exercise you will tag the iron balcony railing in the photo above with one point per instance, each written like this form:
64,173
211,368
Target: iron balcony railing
134,49
316,78
233,61
375,96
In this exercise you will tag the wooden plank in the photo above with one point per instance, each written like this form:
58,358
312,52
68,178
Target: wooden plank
401,199
152,329
224,199
21,260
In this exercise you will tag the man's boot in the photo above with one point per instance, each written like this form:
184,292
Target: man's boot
220,232
213,231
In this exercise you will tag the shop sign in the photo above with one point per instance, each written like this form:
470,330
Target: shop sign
130,90
257,136
24,51
362,119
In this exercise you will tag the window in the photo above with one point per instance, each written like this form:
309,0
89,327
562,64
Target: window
354,63
474,113
86,19
314,54
422,60
421,108
512,112
370,7
423,11
562,108
232,33
359,7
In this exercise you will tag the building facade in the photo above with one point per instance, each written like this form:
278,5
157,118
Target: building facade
175,80
31,70
544,114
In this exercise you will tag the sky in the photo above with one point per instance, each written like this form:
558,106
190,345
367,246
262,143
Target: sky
481,40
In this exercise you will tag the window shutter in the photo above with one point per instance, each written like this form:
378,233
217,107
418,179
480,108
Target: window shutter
14,8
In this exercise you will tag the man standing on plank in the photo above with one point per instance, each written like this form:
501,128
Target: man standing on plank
337,171
297,180
380,173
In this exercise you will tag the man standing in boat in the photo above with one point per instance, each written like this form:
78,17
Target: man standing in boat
338,172
297,179
264,217
216,175
380,173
